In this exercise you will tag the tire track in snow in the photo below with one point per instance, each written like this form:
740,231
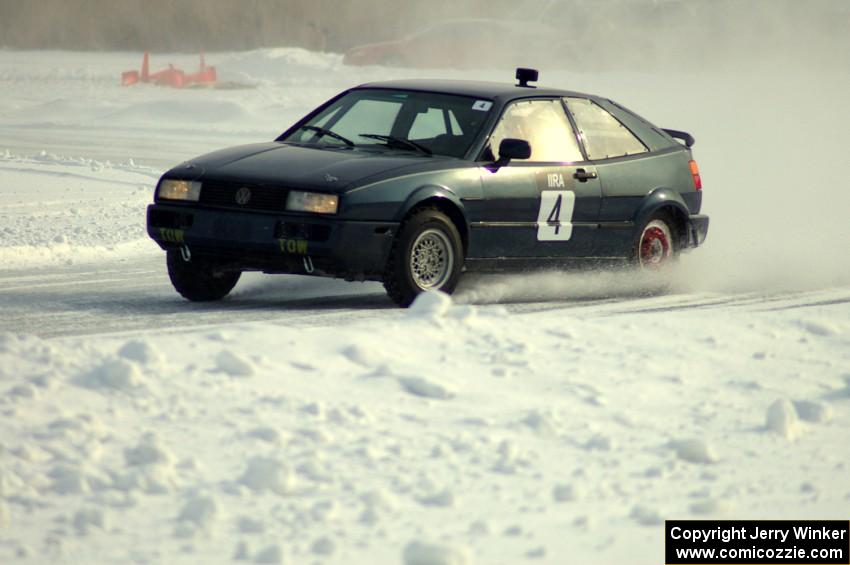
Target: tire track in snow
82,300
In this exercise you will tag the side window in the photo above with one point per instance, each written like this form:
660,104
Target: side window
603,134
544,125
433,123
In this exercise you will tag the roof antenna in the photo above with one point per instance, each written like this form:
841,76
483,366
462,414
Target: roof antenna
524,76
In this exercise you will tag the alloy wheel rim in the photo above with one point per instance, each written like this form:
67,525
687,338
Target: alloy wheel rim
654,247
431,259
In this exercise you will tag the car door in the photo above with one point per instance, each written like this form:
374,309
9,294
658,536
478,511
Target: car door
544,206
626,176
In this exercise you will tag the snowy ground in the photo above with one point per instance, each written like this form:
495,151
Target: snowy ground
554,419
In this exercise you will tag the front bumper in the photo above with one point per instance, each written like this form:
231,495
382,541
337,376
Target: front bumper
275,243
697,229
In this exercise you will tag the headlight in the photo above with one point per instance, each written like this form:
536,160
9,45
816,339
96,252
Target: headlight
179,190
312,202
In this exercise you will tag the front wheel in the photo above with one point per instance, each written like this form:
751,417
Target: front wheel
199,280
427,254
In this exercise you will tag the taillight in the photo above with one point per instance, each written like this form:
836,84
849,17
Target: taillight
695,173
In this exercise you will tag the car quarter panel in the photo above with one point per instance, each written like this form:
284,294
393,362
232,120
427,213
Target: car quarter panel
627,181
634,187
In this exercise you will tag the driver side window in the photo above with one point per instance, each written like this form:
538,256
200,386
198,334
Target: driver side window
544,124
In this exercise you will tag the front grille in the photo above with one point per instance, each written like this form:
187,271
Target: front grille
225,195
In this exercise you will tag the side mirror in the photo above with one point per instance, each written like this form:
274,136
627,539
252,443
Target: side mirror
510,149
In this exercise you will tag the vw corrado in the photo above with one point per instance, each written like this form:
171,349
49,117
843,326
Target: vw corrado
414,182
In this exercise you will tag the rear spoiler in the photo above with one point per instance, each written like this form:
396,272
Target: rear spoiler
683,135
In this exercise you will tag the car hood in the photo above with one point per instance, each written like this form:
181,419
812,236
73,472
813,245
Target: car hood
275,163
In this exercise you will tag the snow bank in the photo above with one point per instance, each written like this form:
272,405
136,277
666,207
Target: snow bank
425,553
115,374
264,474
433,456
234,364
695,451
782,419
62,210
431,304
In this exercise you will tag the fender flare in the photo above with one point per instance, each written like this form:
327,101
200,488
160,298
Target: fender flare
439,194
429,192
661,198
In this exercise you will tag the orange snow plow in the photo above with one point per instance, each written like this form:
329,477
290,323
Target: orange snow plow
173,77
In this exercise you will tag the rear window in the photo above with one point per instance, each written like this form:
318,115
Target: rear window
603,135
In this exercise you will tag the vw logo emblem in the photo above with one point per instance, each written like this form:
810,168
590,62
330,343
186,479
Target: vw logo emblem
243,195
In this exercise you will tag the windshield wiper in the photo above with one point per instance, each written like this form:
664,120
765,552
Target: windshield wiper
326,132
398,141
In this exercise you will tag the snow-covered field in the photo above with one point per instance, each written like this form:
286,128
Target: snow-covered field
552,419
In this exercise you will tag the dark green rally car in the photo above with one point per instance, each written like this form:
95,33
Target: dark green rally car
415,182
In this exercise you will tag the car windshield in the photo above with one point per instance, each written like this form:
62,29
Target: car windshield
397,120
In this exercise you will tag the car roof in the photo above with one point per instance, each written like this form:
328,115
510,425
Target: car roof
474,89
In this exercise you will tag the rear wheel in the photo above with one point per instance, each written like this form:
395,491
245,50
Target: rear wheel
656,247
199,280
427,254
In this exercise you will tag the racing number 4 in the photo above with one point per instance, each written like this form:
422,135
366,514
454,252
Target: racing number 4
554,219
